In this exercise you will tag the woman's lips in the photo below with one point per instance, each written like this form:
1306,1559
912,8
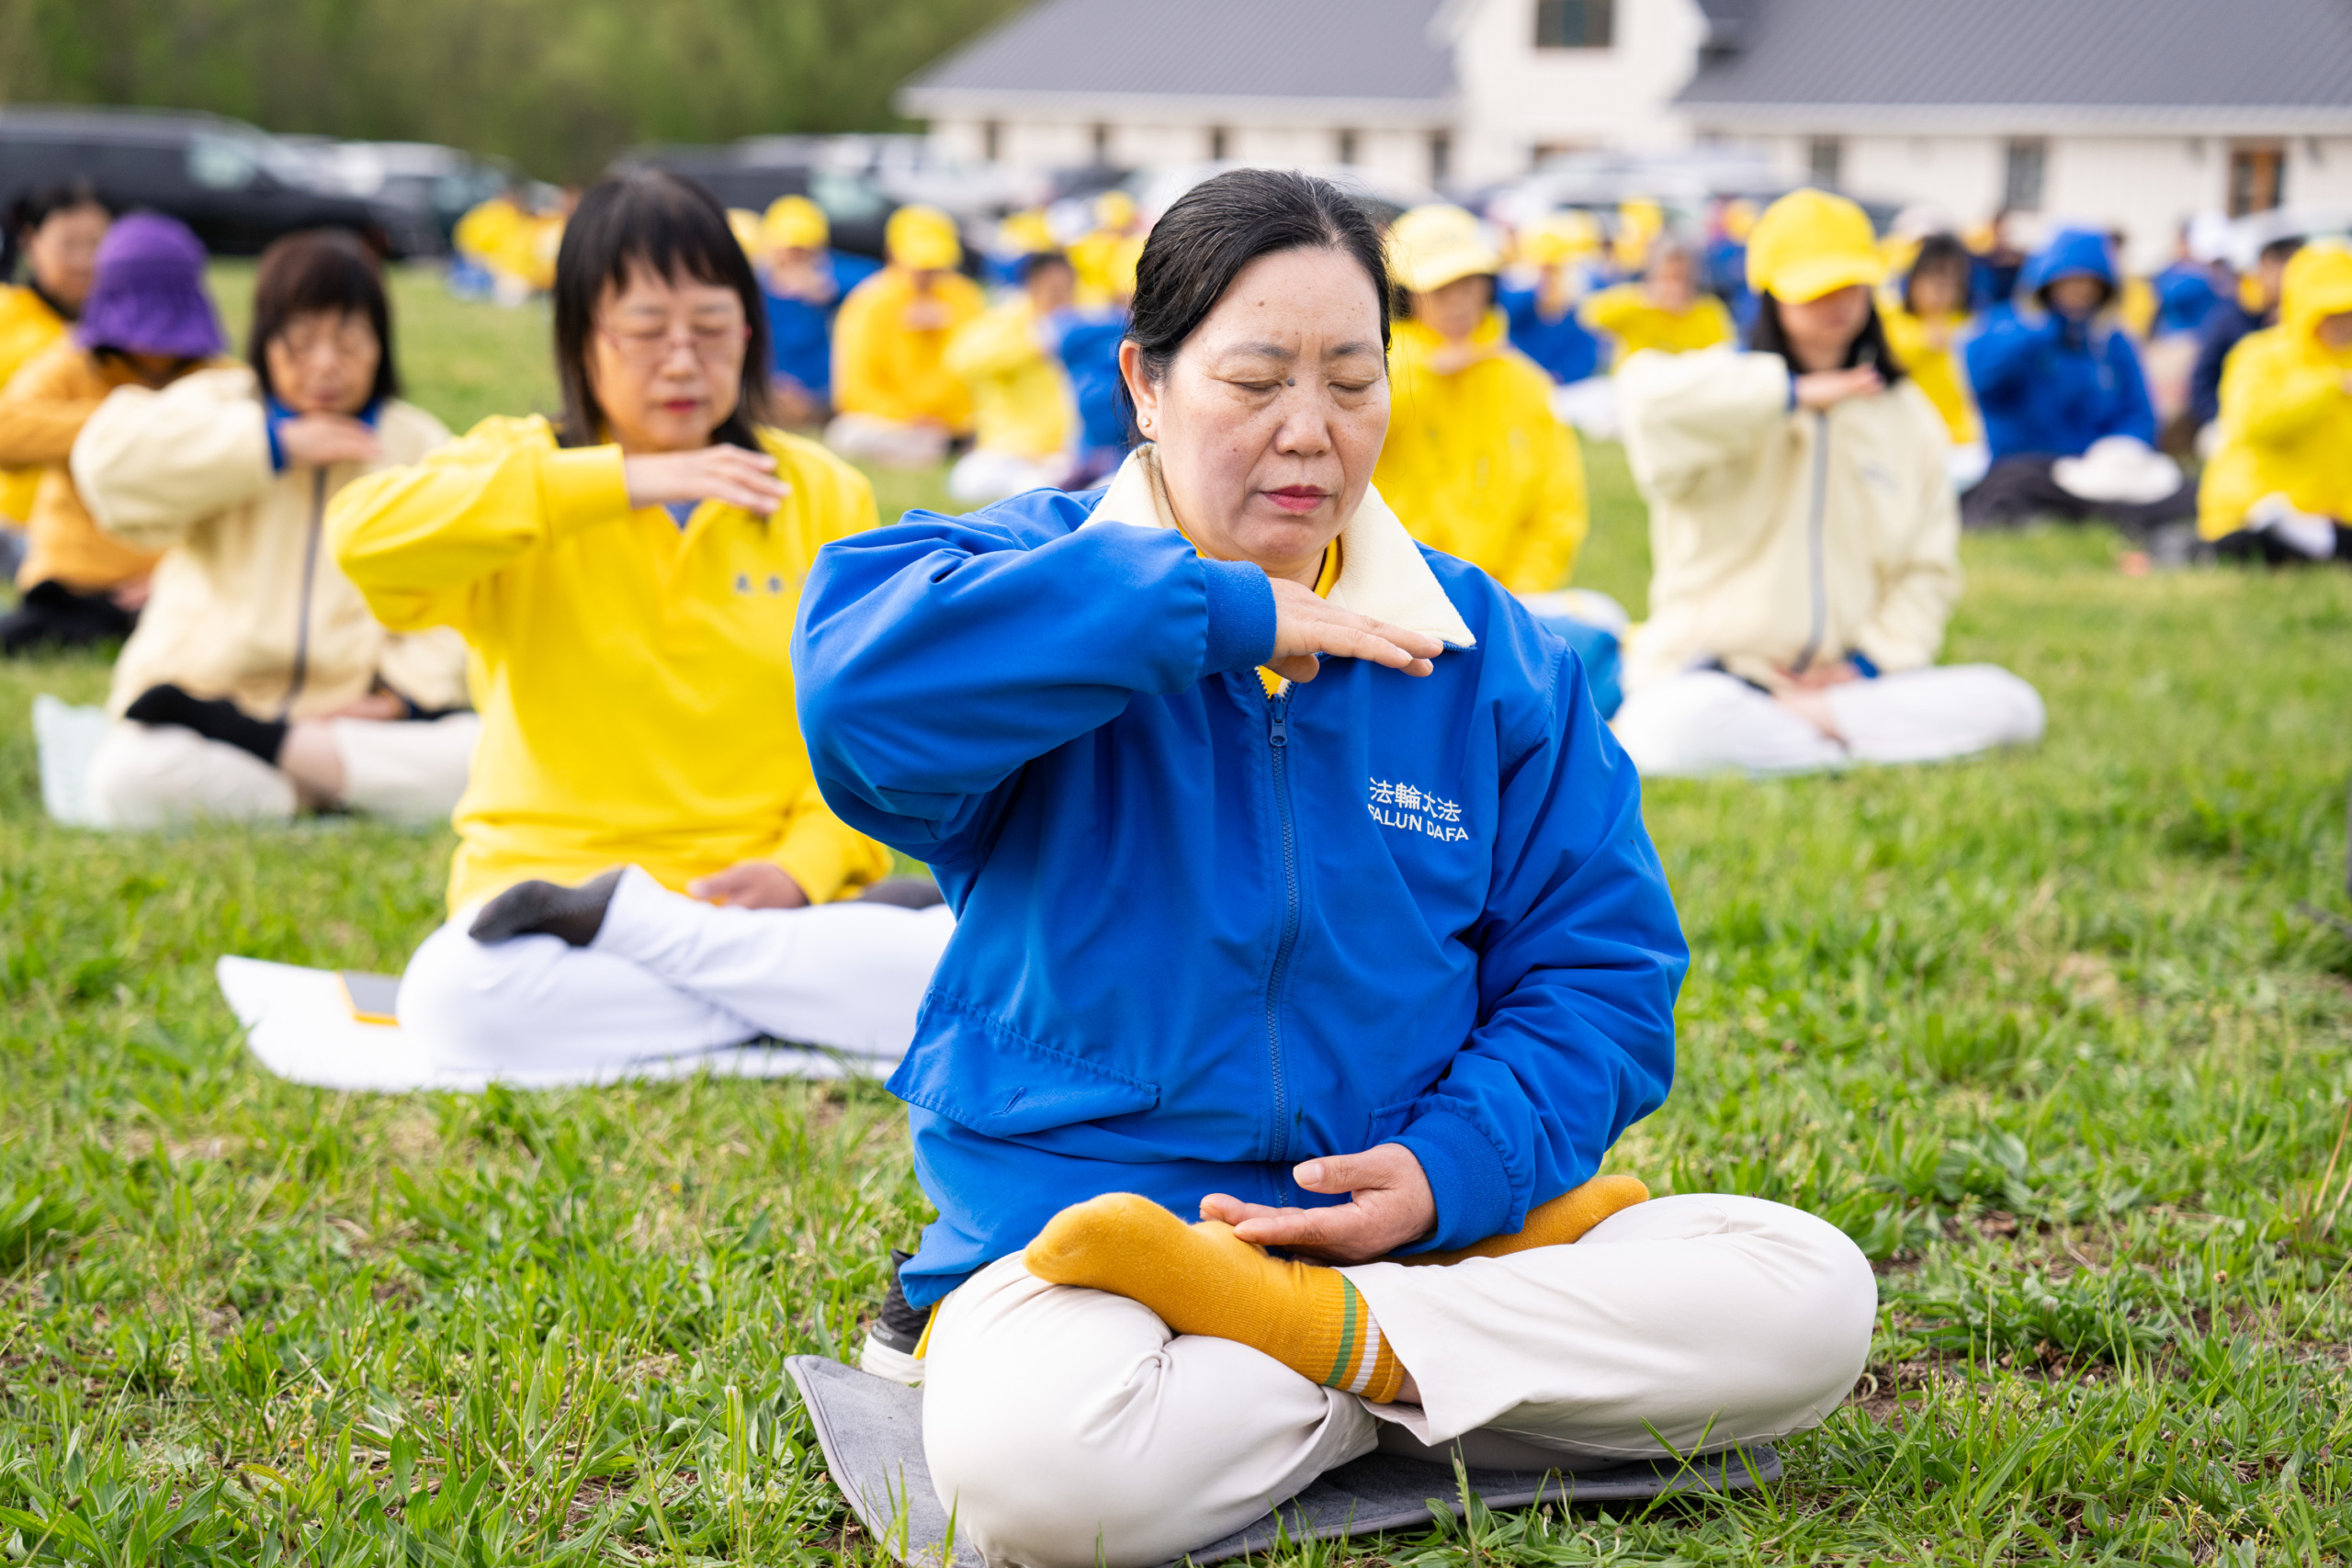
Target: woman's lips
1298,498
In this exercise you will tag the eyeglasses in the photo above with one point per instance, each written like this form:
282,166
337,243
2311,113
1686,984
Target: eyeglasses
647,348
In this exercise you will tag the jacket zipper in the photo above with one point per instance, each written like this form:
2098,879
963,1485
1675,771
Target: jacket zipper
1819,563
1278,740
309,576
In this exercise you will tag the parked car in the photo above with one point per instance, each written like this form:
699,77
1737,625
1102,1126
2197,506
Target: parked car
1683,184
237,186
753,172
435,184
1385,197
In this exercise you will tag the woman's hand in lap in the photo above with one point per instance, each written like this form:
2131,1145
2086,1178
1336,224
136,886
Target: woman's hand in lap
722,473
1306,625
1392,1207
750,884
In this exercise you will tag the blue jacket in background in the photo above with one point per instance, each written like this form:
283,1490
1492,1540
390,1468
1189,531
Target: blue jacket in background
2050,384
2185,296
1204,934
1567,348
801,336
1089,351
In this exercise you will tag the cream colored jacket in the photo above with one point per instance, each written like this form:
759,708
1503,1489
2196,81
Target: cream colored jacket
1778,538
248,602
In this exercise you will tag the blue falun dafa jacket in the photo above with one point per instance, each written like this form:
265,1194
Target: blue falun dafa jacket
1204,934
2049,385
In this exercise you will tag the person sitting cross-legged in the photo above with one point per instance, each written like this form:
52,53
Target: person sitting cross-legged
644,867
1803,533
1305,902
2279,486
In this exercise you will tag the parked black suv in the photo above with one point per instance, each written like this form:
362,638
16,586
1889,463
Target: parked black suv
235,184
753,172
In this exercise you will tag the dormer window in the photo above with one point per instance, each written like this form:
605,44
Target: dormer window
1575,24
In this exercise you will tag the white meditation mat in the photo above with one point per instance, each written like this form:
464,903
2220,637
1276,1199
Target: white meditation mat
67,737
298,1022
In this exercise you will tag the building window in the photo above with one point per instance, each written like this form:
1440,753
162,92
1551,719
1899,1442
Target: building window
2257,179
1825,159
1101,144
992,139
1441,156
2021,175
1575,24
1220,144
1346,141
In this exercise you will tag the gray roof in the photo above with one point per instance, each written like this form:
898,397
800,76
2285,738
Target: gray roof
1219,48
2094,54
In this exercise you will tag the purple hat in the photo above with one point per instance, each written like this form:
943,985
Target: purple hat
148,297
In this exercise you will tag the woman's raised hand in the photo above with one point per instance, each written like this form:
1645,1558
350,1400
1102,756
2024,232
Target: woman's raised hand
1822,389
1306,625
322,440
722,473
1391,1205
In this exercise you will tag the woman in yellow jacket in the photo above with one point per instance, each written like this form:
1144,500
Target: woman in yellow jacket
2279,485
899,403
1026,420
1476,463
626,583
58,229
1803,534
257,682
1665,311
1925,322
147,322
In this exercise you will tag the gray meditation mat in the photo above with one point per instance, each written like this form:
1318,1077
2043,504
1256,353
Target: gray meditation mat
871,1430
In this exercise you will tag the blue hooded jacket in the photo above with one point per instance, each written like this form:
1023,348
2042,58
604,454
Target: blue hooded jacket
801,336
1567,348
2050,385
1203,934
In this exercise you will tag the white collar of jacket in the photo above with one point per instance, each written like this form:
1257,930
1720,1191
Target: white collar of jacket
1381,573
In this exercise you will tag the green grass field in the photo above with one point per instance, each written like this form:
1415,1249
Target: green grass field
2045,1033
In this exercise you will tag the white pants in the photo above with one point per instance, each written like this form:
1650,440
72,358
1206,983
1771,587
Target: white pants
1060,1420
981,476
149,776
669,975
870,439
1704,721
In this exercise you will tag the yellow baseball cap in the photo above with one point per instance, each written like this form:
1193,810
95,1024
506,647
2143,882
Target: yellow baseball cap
746,224
1558,237
1114,208
922,239
1810,243
1434,245
795,223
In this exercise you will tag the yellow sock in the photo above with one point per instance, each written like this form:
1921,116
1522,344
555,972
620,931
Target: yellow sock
1202,1278
1554,1223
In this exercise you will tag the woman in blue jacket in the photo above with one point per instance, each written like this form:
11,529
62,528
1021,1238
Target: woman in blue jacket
1299,888
2054,380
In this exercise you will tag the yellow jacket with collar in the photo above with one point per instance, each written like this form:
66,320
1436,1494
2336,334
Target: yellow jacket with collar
1781,537
1476,463
1020,399
884,367
247,603
1941,369
27,326
1626,314
2286,425
635,681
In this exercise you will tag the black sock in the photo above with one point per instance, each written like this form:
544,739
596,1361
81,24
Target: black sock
531,909
219,720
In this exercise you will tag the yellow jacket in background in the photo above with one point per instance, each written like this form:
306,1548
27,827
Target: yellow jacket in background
41,410
2286,425
246,603
1765,550
27,326
1626,314
884,367
2135,307
1020,399
1939,368
635,679
1476,466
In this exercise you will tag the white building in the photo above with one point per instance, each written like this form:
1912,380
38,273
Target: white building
2135,112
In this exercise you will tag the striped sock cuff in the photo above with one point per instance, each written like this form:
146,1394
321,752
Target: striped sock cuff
1363,1364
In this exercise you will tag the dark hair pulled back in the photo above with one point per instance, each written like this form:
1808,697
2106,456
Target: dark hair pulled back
672,228
1944,254
29,212
1767,335
1212,231
320,270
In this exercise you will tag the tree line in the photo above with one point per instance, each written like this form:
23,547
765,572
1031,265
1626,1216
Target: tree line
556,85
